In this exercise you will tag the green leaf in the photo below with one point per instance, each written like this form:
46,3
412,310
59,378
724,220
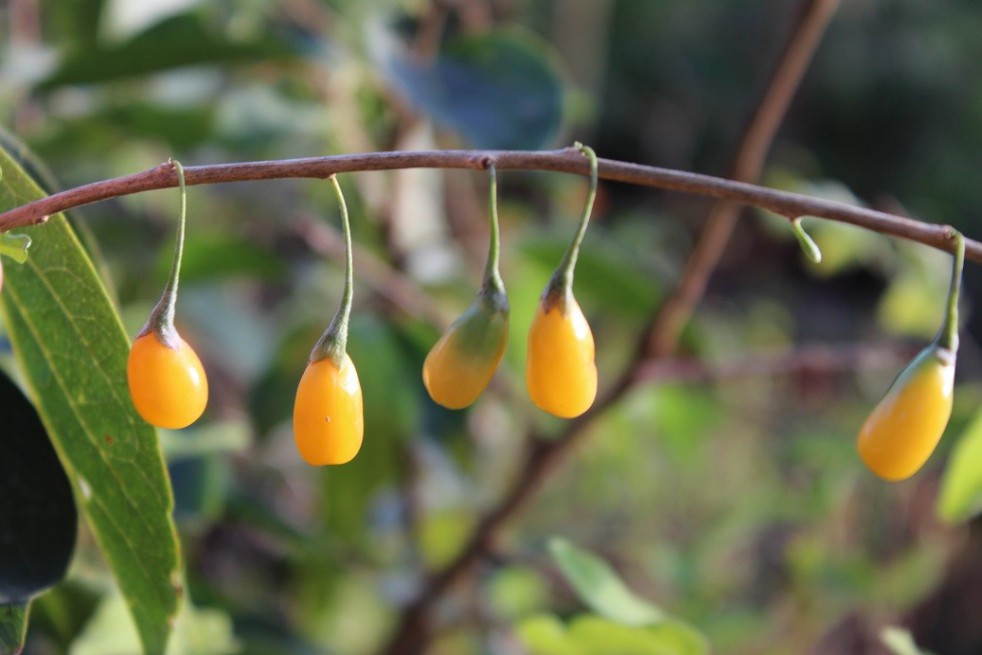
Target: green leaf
197,631
72,350
600,587
175,42
961,487
600,636
13,627
38,520
544,634
498,89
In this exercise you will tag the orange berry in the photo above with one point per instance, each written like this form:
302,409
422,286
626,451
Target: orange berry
168,385
560,371
328,419
903,430
461,364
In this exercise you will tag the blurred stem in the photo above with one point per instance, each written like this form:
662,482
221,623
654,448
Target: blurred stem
747,164
492,276
546,455
948,338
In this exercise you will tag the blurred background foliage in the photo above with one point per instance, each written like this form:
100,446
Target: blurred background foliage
727,489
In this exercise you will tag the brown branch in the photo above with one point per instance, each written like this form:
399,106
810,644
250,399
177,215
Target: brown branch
567,160
747,166
544,457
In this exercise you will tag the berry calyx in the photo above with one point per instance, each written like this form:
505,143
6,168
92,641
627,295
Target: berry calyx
167,383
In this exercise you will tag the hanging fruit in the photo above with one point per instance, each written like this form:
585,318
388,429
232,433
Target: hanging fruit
560,371
461,364
166,379
905,427
328,414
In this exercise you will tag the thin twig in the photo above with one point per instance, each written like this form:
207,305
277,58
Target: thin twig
567,160
747,165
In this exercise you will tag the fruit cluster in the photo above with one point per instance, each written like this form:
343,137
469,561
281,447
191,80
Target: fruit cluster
560,372
169,387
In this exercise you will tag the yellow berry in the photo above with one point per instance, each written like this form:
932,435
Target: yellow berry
903,430
328,419
560,372
461,364
168,385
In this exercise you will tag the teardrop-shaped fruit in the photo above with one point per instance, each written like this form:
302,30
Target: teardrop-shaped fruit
168,385
328,418
461,364
560,371
903,430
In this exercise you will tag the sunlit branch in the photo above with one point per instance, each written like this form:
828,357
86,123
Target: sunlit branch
567,160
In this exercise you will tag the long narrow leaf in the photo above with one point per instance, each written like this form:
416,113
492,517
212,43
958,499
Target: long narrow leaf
13,627
71,345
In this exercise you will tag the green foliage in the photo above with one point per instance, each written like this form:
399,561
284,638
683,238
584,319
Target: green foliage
961,487
473,83
72,352
175,42
13,627
594,635
196,632
599,587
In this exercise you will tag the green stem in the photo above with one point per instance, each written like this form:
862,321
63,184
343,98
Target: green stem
161,319
805,241
334,342
492,282
948,338
561,284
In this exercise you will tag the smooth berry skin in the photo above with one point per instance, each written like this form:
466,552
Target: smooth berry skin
168,385
905,427
461,364
328,415
560,372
